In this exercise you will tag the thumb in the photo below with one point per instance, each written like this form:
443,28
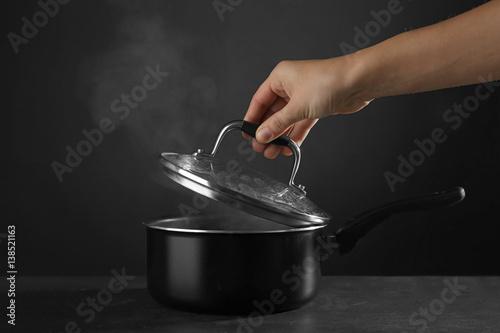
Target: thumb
277,124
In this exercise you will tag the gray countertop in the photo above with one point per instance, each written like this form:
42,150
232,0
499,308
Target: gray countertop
344,304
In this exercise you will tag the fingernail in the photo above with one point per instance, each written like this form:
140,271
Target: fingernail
264,135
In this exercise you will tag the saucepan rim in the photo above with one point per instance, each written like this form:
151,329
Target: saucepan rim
160,224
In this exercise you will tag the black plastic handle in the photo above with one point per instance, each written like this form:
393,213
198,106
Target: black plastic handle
251,128
349,234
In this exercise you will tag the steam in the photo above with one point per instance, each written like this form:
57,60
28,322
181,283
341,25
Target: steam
172,115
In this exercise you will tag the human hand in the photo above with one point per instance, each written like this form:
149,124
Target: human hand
298,93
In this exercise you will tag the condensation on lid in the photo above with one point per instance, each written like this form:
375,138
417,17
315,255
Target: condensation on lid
238,183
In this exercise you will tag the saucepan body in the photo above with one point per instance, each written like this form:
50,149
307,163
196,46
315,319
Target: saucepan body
225,265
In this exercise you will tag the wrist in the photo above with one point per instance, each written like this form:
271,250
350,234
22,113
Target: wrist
366,75
392,67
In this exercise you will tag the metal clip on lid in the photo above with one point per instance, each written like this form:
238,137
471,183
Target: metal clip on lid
250,129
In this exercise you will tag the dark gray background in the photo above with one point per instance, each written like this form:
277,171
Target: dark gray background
65,78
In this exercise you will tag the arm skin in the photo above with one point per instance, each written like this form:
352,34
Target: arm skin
460,51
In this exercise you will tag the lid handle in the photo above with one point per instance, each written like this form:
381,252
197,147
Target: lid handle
250,129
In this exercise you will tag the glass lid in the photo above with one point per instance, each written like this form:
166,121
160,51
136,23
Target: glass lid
244,188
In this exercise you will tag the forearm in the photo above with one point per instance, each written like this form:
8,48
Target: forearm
455,52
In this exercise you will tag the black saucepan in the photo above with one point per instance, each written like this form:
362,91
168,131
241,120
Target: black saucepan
241,263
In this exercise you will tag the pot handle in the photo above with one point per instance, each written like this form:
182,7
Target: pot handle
358,226
250,129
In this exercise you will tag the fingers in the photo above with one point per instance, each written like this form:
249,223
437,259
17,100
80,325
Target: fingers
268,99
302,129
274,114
273,108
277,105
299,134
258,147
272,151
278,123
263,98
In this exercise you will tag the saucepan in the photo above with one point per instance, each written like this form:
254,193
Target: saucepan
266,255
